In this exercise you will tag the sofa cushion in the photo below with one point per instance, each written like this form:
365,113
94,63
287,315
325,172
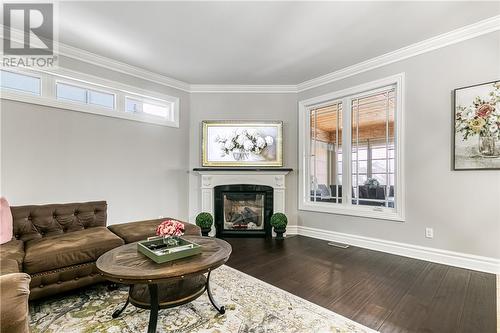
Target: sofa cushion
6,225
11,256
141,230
68,249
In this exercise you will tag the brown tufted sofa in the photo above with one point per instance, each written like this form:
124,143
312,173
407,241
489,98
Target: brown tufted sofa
58,244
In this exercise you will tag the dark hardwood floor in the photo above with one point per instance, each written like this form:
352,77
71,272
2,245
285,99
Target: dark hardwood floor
385,292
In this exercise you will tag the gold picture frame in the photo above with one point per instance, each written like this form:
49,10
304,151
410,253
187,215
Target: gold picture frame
240,143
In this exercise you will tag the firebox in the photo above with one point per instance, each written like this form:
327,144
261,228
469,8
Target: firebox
243,210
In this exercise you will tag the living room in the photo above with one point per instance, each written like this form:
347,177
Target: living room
182,166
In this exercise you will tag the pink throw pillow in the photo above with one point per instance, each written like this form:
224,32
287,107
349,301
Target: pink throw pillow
6,224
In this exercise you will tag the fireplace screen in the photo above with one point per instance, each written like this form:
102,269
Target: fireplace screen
243,211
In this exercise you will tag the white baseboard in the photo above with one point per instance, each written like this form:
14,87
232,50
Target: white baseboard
463,260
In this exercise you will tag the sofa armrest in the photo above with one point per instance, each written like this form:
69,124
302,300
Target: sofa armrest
10,252
14,314
140,230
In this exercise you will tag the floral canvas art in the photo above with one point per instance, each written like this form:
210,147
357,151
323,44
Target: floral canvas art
229,143
477,127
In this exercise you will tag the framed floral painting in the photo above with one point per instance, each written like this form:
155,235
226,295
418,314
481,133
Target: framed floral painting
477,127
242,143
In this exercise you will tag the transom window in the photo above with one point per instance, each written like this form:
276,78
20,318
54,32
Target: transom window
357,171
20,83
67,90
84,95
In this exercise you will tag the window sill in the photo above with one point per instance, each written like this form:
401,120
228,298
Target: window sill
71,106
358,211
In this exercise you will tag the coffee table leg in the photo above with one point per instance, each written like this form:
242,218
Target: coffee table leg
119,311
221,309
153,314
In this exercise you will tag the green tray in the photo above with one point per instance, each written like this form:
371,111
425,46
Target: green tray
164,253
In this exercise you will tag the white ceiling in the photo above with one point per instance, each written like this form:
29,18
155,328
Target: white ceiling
256,42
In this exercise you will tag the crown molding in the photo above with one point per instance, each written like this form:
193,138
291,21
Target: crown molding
243,88
71,52
118,66
455,36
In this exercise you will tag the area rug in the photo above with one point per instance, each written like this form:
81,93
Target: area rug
251,306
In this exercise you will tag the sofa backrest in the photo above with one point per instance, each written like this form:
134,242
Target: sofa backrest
38,221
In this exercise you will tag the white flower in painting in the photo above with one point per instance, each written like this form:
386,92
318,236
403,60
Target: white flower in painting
251,132
241,131
468,114
493,128
492,119
231,136
248,145
269,140
229,145
241,139
260,142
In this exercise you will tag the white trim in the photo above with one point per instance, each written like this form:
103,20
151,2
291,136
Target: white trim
455,36
393,214
458,259
452,37
85,108
243,88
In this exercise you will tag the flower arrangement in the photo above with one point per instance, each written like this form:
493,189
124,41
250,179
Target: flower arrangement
372,183
481,118
170,228
241,142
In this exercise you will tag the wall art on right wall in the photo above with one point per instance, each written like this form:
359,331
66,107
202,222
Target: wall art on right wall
477,127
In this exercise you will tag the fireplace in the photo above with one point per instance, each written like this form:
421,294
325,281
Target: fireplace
243,210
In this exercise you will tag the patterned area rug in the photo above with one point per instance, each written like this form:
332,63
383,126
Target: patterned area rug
251,306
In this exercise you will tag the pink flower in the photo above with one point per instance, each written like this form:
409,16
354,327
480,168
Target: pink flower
170,228
485,110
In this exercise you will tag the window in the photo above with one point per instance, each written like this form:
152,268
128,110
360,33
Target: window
153,109
20,82
83,95
69,90
351,144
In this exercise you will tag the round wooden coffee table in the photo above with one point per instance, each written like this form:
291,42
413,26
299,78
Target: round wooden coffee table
159,286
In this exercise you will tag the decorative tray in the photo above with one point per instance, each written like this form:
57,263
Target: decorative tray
159,251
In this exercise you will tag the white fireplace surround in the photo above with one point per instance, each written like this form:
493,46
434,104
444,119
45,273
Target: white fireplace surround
211,178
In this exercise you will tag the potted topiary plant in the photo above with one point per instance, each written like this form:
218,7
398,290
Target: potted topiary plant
279,222
204,220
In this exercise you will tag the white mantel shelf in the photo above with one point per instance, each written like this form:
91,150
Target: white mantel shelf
212,177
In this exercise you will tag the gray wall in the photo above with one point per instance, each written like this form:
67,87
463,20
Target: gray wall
461,206
51,155
230,106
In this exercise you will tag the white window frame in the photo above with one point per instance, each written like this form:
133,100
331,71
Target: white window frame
121,91
346,207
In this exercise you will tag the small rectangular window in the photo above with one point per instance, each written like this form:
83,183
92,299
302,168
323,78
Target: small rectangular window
137,106
71,93
98,98
20,82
